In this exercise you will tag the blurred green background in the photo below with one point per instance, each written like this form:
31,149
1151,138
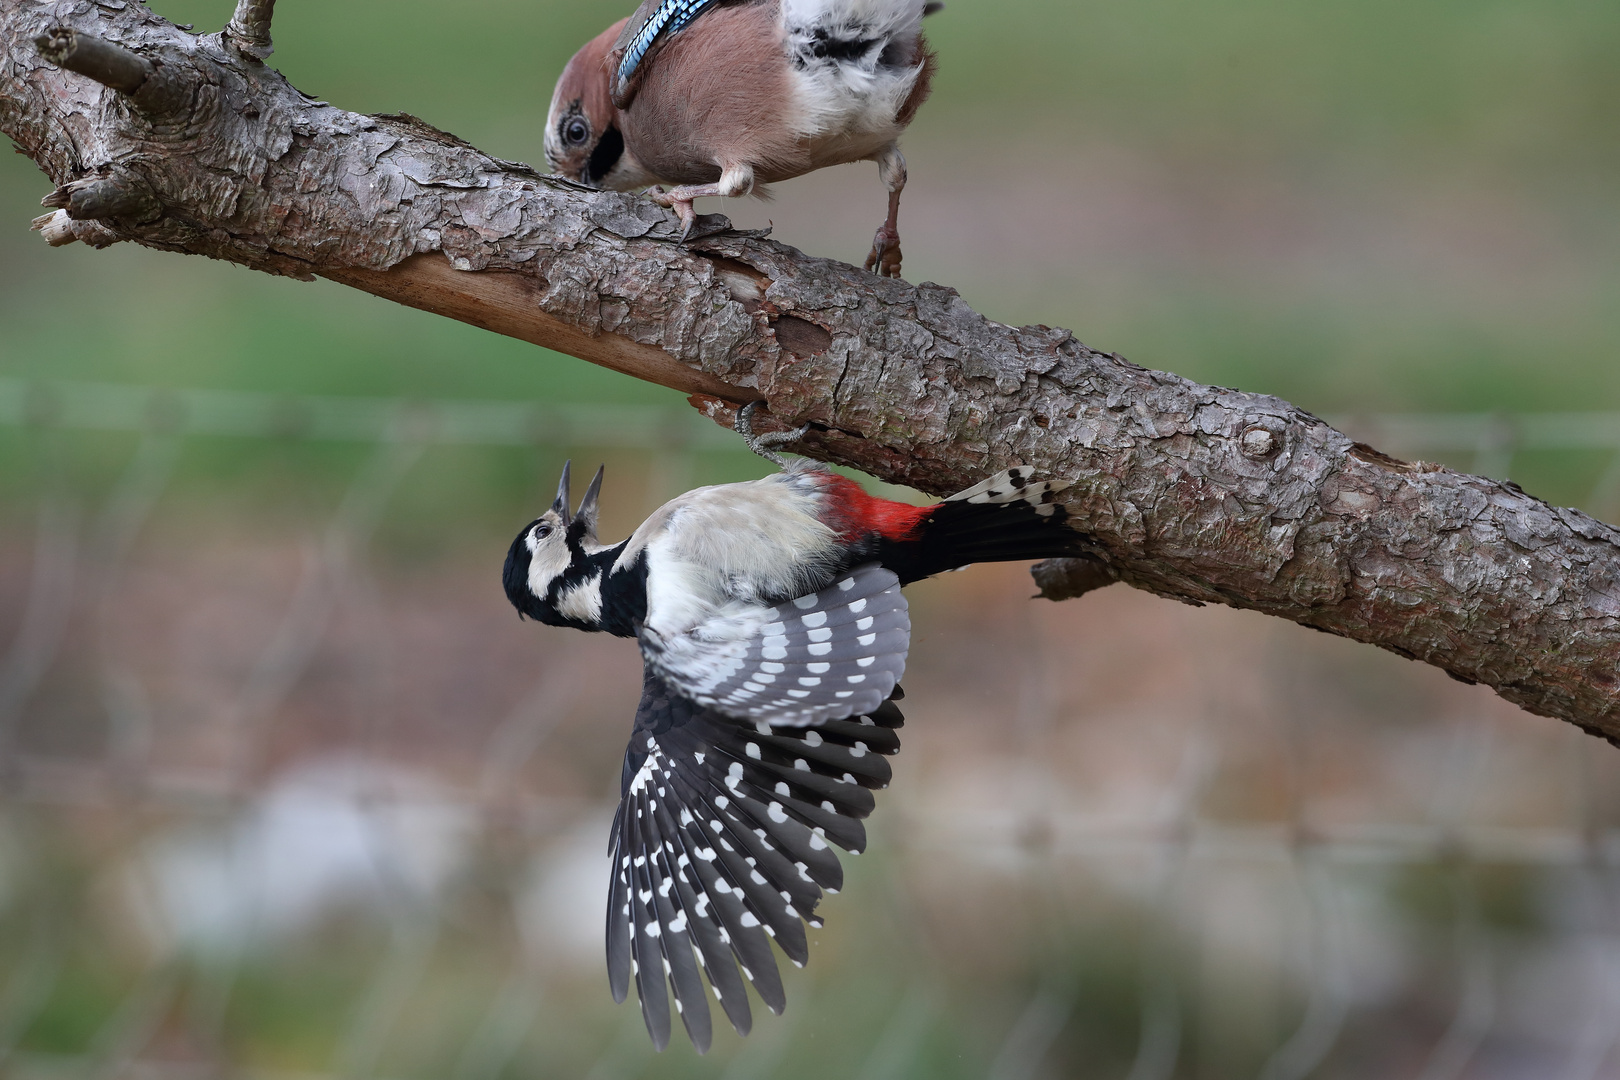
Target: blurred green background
1362,207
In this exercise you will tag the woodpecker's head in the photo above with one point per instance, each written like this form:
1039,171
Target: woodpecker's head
549,575
584,141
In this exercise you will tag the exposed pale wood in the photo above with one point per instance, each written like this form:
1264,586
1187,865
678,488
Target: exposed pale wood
506,303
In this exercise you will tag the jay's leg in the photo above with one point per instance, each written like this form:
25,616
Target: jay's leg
884,258
735,180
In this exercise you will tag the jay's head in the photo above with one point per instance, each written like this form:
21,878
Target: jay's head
583,140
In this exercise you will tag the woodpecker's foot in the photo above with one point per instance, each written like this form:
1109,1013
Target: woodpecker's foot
680,203
758,443
884,258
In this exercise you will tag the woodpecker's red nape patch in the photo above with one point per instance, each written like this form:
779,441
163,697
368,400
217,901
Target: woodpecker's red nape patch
855,513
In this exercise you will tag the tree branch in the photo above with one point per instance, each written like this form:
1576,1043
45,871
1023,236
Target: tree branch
108,64
1193,492
249,28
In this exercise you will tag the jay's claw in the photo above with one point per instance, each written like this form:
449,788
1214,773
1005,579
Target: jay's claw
681,206
884,258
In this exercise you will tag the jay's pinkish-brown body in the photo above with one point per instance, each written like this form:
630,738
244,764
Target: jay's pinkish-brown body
746,94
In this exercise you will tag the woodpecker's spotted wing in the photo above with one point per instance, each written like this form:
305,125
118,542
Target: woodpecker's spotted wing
827,655
721,844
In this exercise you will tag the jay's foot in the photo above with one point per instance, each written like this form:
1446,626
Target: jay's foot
884,258
680,202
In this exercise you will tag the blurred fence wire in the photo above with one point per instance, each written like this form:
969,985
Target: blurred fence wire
161,819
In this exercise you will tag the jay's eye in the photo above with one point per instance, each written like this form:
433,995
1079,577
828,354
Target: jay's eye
575,131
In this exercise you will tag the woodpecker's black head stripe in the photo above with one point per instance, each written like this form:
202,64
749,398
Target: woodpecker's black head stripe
515,575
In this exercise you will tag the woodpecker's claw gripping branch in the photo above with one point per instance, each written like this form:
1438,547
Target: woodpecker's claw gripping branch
758,443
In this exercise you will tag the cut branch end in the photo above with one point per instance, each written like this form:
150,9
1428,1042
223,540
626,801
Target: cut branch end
119,195
108,64
56,227
59,230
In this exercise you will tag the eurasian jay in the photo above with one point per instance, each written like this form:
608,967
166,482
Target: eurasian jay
720,97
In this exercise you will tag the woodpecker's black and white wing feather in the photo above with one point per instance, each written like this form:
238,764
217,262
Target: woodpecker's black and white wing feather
721,844
828,655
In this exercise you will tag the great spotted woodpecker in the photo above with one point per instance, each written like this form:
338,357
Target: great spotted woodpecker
773,635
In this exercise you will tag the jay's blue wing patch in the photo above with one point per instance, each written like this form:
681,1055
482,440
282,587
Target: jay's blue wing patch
828,655
721,844
652,20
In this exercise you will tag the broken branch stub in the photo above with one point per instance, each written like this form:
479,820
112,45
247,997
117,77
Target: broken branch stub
249,28
108,64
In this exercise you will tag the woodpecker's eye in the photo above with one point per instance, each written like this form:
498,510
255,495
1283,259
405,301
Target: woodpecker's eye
575,131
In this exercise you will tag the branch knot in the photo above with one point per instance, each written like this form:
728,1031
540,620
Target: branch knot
117,195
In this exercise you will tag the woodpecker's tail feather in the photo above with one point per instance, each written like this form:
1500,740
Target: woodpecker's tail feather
720,844
1010,517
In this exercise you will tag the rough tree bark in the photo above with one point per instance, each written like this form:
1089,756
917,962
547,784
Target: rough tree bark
189,143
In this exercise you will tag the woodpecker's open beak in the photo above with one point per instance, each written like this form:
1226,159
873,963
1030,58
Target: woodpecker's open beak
587,505
560,507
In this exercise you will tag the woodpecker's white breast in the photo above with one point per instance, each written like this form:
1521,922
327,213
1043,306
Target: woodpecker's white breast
717,548
846,106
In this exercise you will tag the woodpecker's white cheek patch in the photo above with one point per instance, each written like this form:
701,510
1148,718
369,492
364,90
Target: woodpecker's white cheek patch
548,558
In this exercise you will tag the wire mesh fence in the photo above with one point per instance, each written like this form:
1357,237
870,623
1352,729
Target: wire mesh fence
286,791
